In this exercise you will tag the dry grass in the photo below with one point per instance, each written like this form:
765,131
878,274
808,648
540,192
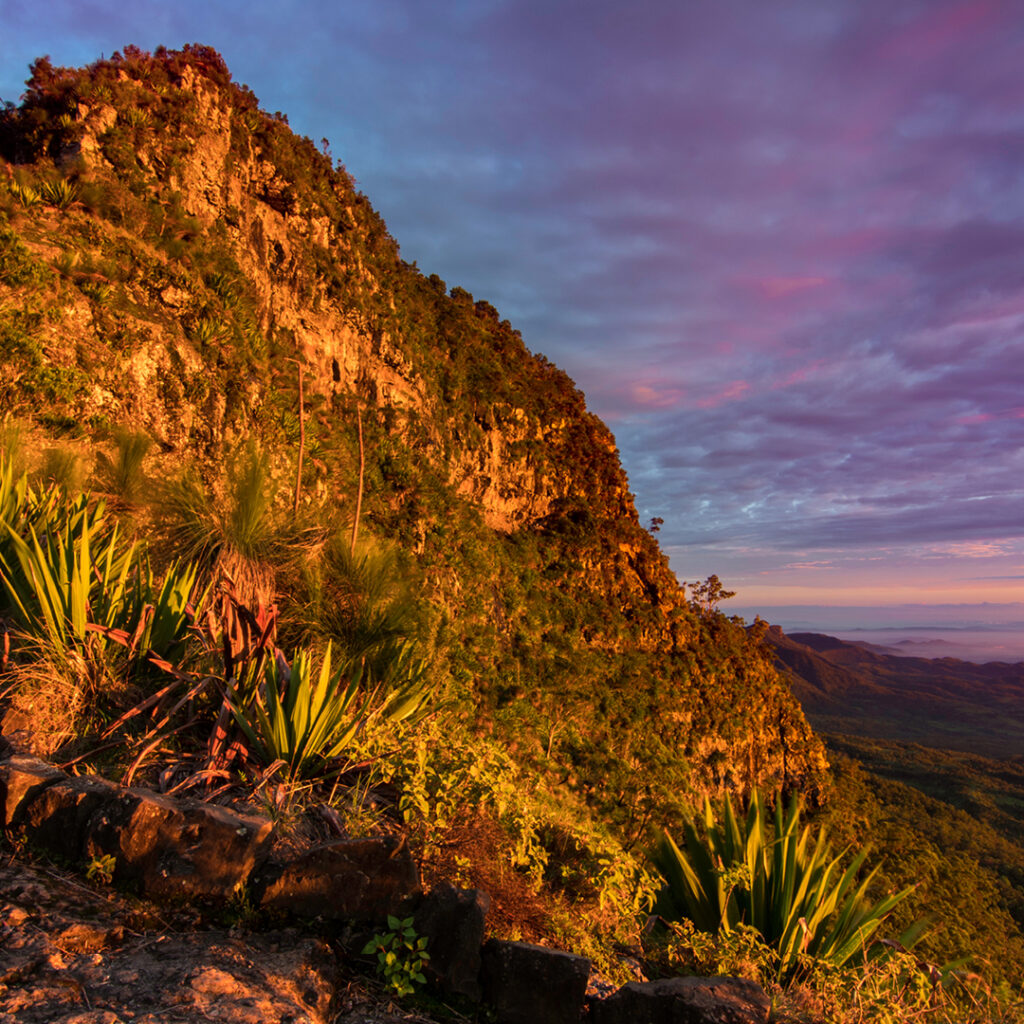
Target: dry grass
55,702
476,853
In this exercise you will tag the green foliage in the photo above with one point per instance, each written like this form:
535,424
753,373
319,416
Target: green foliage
401,955
59,192
17,265
970,876
28,196
66,572
785,884
102,868
233,533
363,602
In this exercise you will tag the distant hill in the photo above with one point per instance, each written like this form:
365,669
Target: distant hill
860,690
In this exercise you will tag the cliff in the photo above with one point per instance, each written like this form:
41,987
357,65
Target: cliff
173,257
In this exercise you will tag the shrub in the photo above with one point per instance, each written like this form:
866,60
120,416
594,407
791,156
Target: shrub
17,265
122,474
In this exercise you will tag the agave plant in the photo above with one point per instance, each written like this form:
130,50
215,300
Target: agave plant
60,192
26,194
65,572
304,718
787,885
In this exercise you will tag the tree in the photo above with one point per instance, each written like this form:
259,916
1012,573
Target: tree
709,594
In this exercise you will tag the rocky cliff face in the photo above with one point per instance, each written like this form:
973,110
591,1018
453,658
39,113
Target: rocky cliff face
207,254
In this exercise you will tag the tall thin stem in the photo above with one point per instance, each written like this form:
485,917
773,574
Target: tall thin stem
359,493
302,443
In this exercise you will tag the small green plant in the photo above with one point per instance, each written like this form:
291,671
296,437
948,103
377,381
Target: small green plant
207,331
101,869
401,955
98,291
26,194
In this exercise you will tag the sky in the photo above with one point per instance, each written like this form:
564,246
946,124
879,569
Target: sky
779,246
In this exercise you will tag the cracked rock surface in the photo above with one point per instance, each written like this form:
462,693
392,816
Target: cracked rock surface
73,955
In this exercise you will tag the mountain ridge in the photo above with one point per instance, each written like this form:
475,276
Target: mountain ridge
860,689
208,254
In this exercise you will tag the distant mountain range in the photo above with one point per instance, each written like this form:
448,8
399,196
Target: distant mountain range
865,690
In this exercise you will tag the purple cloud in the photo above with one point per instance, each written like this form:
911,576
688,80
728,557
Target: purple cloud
780,247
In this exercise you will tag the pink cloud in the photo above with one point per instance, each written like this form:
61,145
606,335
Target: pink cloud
652,397
800,375
737,389
779,287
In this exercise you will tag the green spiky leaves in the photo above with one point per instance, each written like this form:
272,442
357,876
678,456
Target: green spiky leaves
782,880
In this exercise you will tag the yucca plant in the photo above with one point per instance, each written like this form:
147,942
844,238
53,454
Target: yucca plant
65,572
362,601
55,584
784,883
304,718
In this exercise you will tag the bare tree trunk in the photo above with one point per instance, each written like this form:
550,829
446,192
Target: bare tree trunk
302,443
359,493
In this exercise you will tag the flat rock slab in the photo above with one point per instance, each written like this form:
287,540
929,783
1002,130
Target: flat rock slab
685,1001
57,818
351,879
527,984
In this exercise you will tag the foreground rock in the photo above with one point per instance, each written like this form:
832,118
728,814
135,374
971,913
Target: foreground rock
527,984
454,920
364,879
685,1001
69,955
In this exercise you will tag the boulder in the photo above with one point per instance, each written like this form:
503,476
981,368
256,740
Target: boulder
22,778
359,879
185,850
57,817
527,984
685,1001
453,922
